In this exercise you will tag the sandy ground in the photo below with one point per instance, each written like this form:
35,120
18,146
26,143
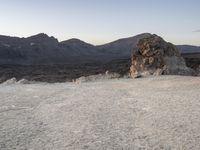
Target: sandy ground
148,113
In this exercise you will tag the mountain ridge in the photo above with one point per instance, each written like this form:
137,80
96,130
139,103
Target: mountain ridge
44,49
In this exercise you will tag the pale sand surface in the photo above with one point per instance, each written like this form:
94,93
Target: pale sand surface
147,113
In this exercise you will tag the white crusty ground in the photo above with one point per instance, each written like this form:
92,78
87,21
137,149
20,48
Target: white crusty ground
129,114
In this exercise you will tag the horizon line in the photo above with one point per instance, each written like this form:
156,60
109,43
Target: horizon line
111,41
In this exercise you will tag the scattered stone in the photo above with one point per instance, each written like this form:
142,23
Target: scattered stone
23,81
10,81
126,76
198,71
97,77
136,76
107,72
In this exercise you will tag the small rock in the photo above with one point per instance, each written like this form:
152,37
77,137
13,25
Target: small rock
107,72
23,81
97,77
137,76
10,81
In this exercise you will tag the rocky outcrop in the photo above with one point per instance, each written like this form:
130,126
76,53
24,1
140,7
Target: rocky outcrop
157,57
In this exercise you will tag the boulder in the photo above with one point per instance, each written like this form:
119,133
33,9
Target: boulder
155,56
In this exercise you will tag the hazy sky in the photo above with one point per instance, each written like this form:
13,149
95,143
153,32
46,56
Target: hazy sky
101,21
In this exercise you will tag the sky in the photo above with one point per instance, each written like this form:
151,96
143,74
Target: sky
102,21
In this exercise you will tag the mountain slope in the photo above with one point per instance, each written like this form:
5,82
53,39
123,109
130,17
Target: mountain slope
78,47
189,48
42,49
122,47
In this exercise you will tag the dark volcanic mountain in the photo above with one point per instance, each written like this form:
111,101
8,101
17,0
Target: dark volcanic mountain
188,49
122,47
42,49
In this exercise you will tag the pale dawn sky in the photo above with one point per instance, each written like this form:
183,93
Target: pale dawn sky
102,21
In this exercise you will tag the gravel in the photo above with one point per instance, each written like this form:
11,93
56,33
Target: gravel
130,114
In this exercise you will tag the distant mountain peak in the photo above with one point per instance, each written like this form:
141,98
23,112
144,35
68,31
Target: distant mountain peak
144,34
42,37
75,41
44,49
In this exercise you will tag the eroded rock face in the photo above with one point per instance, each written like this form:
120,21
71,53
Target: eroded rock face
157,57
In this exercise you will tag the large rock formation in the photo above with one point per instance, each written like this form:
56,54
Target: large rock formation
157,57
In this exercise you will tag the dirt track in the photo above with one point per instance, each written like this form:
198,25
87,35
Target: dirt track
148,113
